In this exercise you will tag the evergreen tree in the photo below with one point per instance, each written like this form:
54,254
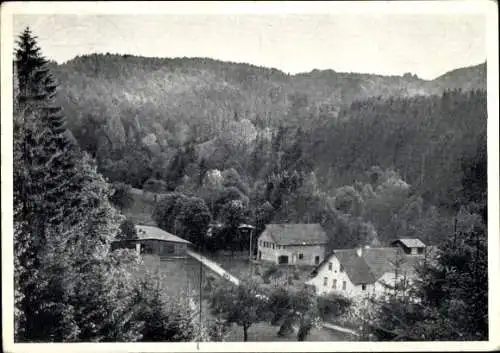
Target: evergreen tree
45,183
69,286
450,297
37,88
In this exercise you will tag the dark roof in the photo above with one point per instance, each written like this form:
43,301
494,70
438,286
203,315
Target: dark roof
149,232
355,267
373,263
296,234
410,243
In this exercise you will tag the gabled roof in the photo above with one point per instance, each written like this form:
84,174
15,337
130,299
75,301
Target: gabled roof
373,263
355,267
410,242
296,234
149,232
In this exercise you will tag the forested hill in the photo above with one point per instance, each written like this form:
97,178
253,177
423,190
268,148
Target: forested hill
204,94
289,147
115,101
249,91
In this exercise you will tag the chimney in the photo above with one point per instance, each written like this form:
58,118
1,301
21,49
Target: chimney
359,251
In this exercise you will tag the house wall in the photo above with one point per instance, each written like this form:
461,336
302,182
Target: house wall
154,246
309,252
123,244
389,279
386,279
334,273
274,251
265,253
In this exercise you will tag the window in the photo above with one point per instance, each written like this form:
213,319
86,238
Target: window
334,284
341,268
330,266
325,281
301,256
170,248
363,287
273,245
420,250
344,285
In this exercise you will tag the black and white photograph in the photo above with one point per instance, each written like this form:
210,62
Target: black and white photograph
233,176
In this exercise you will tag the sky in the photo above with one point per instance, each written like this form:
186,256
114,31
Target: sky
427,45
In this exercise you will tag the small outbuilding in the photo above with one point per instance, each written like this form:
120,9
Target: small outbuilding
292,244
410,246
155,241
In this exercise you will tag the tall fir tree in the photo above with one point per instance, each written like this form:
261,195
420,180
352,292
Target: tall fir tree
37,87
61,215
69,285
45,179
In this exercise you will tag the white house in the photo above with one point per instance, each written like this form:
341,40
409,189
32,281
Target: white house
292,243
368,271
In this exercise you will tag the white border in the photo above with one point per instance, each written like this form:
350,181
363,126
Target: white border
489,8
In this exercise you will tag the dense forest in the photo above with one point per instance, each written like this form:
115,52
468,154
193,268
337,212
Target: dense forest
369,157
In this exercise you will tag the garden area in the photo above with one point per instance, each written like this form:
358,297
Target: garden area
268,275
179,279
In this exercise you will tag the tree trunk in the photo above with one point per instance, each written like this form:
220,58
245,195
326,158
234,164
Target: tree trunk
286,327
303,332
245,333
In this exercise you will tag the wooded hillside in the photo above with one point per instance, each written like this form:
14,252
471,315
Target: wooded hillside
284,143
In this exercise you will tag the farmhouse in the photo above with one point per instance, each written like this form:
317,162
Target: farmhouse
294,244
153,240
368,271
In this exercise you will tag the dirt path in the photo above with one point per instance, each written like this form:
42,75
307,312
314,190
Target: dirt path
214,267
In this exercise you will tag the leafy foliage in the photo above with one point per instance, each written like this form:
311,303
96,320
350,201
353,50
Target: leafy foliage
294,307
185,216
243,304
127,230
121,196
451,298
69,286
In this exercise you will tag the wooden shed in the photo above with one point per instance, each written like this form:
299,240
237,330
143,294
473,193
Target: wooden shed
155,241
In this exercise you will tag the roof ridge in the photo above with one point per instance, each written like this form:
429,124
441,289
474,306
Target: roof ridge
292,224
367,248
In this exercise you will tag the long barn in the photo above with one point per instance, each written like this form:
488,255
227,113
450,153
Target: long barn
155,241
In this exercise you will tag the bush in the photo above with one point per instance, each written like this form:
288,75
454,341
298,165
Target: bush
162,323
127,230
333,305
270,271
121,195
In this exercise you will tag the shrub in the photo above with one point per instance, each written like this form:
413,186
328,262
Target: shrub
270,271
333,305
121,195
127,230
